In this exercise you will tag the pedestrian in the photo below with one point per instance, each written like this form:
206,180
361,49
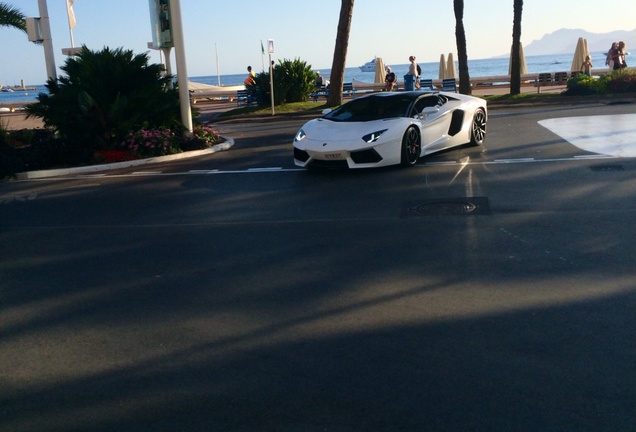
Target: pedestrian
618,56
586,68
390,80
319,80
608,59
251,77
419,74
413,73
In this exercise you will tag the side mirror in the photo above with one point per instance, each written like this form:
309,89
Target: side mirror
326,111
430,110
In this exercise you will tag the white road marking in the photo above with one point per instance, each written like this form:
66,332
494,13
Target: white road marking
265,169
613,135
519,160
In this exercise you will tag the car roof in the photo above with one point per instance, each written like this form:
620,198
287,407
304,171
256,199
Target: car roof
410,94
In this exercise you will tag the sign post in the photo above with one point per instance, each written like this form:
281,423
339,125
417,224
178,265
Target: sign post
167,32
162,38
45,28
270,49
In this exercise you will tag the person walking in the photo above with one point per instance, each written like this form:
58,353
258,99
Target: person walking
618,56
608,59
586,68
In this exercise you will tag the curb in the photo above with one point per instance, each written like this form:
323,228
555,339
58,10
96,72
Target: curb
29,175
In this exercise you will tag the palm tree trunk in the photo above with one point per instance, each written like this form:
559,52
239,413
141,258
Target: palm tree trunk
515,61
340,54
462,54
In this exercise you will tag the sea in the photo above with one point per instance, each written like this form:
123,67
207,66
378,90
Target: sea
477,68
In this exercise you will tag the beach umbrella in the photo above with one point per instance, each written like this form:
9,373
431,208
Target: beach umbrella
451,71
524,65
580,53
380,70
442,67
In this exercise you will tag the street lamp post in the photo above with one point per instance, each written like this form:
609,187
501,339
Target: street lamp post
182,72
47,41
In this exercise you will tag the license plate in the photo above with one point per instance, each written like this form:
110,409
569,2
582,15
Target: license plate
333,155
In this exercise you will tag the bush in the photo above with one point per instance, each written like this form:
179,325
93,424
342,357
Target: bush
10,161
37,149
615,82
144,143
293,82
622,81
104,95
26,149
582,84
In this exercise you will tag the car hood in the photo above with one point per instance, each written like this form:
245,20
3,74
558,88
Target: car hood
328,130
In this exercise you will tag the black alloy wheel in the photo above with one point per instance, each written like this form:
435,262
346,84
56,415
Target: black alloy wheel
478,128
411,147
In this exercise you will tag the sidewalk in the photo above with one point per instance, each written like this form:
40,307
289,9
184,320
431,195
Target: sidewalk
18,120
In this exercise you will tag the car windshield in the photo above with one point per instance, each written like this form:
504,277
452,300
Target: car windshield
371,108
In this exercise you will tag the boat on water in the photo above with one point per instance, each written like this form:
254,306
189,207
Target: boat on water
368,66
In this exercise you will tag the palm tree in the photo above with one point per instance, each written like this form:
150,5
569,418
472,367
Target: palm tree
515,66
12,17
462,54
340,54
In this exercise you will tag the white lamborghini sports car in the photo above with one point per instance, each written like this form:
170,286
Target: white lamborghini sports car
390,128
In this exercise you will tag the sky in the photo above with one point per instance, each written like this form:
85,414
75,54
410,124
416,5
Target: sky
300,29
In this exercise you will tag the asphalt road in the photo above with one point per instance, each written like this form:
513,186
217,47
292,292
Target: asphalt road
485,289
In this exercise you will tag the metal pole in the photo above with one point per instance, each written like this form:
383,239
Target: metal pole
218,72
168,62
182,72
70,27
271,80
47,42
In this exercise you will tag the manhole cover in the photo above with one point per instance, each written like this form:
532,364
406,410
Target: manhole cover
472,206
602,168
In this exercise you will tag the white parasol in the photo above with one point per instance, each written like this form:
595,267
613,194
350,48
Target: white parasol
579,54
442,67
451,71
380,70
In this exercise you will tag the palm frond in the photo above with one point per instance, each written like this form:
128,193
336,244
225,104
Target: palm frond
12,17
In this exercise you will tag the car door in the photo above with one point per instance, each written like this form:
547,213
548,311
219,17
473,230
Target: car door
434,123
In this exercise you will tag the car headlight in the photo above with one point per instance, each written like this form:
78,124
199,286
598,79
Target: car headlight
373,137
301,135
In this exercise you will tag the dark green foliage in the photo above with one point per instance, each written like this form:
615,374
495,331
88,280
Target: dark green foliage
26,149
104,95
12,17
10,161
621,81
582,84
293,82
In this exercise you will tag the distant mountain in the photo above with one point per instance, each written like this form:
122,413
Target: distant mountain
564,41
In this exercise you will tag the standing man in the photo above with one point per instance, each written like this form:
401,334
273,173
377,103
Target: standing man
413,72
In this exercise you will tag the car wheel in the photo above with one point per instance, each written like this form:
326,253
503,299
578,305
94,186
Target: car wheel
478,128
411,146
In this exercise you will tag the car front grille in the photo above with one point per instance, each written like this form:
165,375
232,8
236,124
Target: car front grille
331,164
301,155
366,156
